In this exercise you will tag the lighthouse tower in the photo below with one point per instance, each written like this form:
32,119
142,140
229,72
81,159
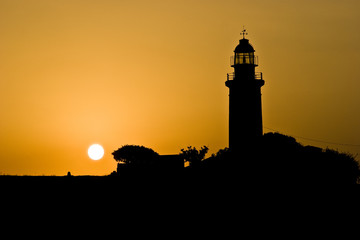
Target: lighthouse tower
245,114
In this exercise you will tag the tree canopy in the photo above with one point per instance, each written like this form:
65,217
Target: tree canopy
135,155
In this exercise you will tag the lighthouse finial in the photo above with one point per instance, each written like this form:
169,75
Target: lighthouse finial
243,32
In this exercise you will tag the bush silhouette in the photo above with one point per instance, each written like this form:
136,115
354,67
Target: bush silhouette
194,156
281,159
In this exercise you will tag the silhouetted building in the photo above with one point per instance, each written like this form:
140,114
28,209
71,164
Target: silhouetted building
171,162
163,163
245,115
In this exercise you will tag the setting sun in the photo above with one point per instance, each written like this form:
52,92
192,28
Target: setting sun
96,152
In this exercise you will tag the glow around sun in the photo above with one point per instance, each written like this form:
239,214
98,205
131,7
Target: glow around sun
96,152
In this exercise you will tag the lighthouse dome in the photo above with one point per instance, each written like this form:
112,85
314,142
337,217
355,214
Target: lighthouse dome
244,47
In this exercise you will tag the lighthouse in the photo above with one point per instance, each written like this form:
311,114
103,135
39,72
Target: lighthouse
245,111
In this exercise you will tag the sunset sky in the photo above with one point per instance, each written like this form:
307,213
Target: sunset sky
152,73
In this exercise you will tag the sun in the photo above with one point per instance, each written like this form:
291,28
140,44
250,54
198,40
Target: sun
96,152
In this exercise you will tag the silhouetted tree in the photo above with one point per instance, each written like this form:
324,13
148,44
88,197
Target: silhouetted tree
136,156
194,156
221,153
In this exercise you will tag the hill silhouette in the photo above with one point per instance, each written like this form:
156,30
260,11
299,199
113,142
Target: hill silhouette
273,159
277,158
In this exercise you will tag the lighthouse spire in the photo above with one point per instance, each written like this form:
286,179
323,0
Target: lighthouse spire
243,32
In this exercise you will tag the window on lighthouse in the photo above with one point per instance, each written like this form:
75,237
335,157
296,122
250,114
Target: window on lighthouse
244,58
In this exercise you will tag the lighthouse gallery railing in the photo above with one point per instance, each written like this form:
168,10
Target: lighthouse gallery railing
257,76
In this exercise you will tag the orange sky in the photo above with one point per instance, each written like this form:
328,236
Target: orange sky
152,73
